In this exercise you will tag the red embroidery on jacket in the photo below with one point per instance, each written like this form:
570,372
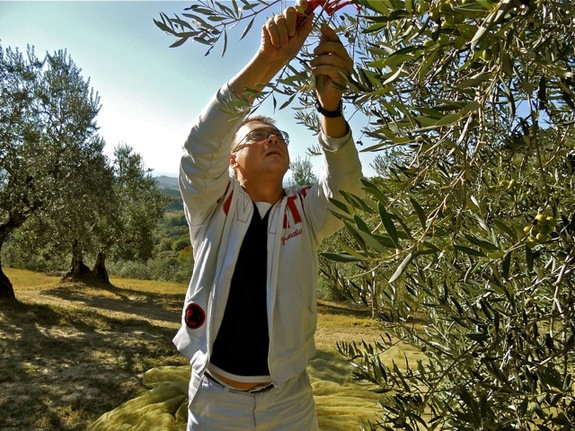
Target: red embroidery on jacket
227,203
228,199
303,191
295,233
225,193
293,208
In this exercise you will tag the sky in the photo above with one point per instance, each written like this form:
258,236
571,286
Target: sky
149,93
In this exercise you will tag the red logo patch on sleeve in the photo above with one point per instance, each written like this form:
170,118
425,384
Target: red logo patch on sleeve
195,316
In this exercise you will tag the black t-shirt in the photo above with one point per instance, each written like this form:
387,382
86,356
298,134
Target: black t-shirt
242,343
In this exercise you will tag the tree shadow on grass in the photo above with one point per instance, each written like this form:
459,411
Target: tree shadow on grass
60,367
342,309
136,304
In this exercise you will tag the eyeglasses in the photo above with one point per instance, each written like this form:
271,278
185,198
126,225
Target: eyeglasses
259,135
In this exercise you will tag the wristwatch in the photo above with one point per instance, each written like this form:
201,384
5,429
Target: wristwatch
329,114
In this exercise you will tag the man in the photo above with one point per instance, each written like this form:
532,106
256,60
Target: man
250,310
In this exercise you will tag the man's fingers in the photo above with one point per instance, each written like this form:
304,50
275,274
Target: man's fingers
330,51
282,27
281,30
271,32
332,59
291,20
334,72
335,48
329,33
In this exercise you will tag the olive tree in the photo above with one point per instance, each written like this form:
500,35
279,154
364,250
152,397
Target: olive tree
468,240
60,194
141,204
47,125
302,171
119,205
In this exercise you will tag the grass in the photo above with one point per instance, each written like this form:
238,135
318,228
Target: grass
70,353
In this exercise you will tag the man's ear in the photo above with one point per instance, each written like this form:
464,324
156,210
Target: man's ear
233,161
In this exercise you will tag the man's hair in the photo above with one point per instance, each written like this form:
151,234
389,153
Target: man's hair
253,118
260,119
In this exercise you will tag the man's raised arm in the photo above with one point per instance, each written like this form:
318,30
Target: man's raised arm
282,38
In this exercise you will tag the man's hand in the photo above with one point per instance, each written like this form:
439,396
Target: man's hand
330,66
283,36
282,39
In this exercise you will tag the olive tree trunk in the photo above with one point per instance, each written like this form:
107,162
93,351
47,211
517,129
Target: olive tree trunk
6,288
79,270
100,272
15,220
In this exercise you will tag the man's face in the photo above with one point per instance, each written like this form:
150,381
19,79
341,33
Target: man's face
257,154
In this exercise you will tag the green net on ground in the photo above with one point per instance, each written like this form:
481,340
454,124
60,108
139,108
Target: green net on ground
341,403
162,408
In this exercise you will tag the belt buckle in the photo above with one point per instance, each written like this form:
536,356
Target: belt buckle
261,388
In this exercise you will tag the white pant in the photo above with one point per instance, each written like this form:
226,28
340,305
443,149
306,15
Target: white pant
289,407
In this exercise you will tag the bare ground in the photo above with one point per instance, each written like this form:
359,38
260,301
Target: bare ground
69,352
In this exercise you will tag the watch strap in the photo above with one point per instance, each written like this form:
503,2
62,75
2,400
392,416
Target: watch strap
330,114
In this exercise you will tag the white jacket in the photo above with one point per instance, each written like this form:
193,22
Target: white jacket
219,211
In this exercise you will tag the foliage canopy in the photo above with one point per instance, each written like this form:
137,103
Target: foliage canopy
59,193
464,245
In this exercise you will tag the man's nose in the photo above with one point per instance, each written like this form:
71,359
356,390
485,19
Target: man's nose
273,140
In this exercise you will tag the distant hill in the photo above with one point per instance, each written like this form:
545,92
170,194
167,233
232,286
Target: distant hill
165,182
169,186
